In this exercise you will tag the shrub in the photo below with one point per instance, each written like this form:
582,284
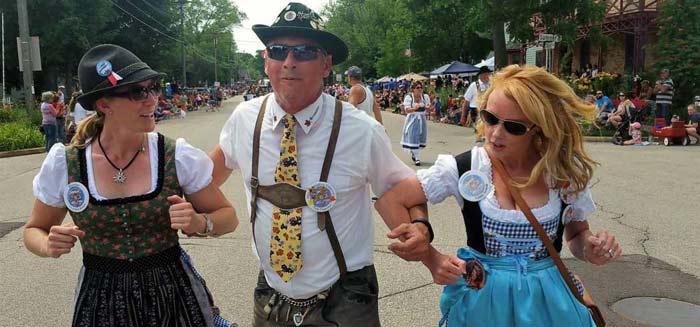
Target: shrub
19,135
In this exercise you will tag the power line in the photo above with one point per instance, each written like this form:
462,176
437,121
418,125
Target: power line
203,56
149,16
156,8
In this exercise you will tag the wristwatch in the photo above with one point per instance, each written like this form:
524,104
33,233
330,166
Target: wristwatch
209,230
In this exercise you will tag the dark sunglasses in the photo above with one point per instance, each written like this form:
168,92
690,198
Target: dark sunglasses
301,52
138,92
513,127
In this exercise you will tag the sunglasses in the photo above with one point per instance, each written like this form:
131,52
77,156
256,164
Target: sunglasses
138,92
301,52
513,127
418,87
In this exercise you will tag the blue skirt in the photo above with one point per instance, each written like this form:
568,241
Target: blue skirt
415,131
518,292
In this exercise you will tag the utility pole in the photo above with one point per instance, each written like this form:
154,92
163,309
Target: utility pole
3,60
216,68
26,52
181,3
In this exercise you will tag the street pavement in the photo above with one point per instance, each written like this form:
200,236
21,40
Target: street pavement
647,196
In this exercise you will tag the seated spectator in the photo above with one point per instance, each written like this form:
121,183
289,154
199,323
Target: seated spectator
623,111
693,126
635,131
605,107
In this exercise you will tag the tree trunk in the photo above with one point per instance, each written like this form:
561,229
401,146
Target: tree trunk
499,39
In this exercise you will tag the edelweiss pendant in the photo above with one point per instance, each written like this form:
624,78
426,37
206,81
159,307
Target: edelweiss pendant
119,177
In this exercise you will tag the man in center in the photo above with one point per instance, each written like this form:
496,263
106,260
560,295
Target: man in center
308,162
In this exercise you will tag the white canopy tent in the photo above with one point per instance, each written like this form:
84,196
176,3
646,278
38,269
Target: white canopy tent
490,63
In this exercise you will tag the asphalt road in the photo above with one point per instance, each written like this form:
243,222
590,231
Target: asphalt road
647,196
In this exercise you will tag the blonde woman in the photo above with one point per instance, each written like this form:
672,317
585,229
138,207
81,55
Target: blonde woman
128,191
529,123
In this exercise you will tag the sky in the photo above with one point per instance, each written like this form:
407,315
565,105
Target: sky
262,12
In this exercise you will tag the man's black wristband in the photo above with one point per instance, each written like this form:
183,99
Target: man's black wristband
427,224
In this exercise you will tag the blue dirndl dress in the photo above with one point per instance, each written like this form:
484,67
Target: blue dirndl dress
523,286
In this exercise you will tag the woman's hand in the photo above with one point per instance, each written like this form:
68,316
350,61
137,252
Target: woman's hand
446,270
601,248
184,217
61,239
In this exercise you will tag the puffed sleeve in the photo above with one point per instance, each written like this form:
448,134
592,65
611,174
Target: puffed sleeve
582,204
52,179
440,180
407,103
194,167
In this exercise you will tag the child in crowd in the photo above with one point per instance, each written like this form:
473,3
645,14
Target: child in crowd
636,133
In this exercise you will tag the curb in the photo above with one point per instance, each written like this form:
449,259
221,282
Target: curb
22,152
605,139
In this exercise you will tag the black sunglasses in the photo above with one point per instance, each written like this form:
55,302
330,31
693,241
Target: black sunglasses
301,52
513,127
138,92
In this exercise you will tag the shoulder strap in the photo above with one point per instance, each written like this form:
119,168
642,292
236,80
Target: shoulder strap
324,218
256,158
471,213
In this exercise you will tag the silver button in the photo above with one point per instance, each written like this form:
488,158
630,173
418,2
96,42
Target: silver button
128,236
131,259
125,224
124,214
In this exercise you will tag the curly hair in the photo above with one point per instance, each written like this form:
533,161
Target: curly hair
554,107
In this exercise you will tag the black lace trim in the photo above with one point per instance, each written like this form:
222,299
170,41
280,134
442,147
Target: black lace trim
136,198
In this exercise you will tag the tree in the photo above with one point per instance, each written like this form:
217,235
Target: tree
679,48
562,17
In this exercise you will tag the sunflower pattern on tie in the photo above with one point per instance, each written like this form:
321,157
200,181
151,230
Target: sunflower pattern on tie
285,242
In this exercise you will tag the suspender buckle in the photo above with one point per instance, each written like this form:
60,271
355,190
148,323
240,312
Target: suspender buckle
253,198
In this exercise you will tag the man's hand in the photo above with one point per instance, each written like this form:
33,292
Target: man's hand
414,241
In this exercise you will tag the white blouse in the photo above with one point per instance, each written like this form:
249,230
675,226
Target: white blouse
194,169
442,179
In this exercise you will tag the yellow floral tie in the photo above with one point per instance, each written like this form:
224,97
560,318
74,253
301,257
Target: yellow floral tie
285,240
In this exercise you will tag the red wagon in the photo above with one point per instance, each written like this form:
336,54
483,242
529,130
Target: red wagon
674,134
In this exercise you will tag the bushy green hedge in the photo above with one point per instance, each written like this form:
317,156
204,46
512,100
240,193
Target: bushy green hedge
20,129
19,135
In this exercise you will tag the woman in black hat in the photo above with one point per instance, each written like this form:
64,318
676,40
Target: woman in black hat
123,186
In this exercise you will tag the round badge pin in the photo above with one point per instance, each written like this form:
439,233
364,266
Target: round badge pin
290,16
76,197
568,214
320,196
104,68
474,185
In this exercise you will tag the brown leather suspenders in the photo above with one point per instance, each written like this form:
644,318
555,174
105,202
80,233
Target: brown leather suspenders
287,196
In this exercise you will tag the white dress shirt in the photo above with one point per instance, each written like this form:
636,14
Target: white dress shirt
442,179
472,94
194,168
363,157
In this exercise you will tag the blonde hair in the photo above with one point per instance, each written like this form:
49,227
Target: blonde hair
47,96
89,127
554,107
